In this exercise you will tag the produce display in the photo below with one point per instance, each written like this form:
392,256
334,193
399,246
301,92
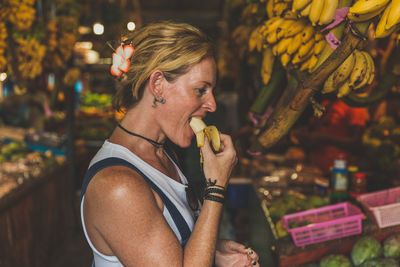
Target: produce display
19,164
366,252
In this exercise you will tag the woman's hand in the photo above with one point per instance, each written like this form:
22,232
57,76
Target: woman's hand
219,166
232,254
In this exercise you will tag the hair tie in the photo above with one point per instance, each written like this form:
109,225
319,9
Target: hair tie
120,59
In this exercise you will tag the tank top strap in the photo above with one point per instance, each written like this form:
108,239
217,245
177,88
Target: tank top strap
177,217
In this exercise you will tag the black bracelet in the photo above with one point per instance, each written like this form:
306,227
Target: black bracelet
209,183
214,198
214,190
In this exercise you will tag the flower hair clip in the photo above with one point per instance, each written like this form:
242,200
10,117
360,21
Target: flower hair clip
120,59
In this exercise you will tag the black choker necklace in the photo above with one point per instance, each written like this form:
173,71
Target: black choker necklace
154,143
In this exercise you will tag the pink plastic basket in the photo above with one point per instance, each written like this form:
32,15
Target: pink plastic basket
325,223
383,206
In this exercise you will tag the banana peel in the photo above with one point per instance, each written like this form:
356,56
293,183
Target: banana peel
201,129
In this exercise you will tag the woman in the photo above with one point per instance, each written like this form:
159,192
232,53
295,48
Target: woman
134,206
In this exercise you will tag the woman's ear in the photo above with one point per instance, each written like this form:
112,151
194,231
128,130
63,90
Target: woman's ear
156,81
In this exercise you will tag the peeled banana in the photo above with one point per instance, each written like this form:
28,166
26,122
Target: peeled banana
200,128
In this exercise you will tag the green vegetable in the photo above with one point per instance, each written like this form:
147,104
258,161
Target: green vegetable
382,262
391,246
335,260
364,249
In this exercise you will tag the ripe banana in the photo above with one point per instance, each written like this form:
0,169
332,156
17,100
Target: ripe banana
328,11
200,128
372,71
295,44
315,11
393,14
256,39
318,46
306,11
368,71
364,17
267,64
269,8
339,75
282,29
344,89
304,49
285,59
367,6
381,31
359,71
308,32
283,45
295,28
299,5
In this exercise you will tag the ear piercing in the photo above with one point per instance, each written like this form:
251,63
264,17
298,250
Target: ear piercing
158,99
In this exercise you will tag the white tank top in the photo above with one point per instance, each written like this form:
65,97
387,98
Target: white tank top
174,190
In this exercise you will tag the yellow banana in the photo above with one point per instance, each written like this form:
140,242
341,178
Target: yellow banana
368,71
344,89
318,46
381,31
364,17
304,65
285,59
295,44
315,11
367,6
272,24
312,61
213,135
328,11
299,5
256,39
319,36
295,28
289,14
306,11
283,45
267,64
393,14
308,32
359,71
272,37
372,70
339,75
304,49
269,8
280,7
284,27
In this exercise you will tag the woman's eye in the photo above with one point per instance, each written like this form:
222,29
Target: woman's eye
201,91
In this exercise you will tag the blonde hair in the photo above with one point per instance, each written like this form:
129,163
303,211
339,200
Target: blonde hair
167,46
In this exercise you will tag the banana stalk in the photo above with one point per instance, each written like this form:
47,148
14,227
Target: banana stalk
292,106
267,92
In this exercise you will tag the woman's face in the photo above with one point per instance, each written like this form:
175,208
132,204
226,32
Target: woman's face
188,96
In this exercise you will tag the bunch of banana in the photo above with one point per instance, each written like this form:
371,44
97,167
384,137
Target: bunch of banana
357,71
200,128
256,39
319,12
30,54
20,13
278,7
3,45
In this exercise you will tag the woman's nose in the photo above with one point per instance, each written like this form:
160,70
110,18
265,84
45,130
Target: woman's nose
210,105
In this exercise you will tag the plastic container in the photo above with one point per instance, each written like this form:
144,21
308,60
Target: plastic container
340,181
383,206
358,184
325,223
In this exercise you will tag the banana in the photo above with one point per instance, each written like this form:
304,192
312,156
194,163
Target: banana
359,71
272,24
295,28
285,59
304,65
280,7
272,37
364,17
289,14
328,12
367,6
318,46
282,29
269,7
339,75
306,11
295,44
283,45
199,128
308,32
393,16
256,40
372,70
299,5
267,64
381,31
344,89
319,36
368,71
311,62
315,11
304,49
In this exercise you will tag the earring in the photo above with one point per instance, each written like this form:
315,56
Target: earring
159,99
